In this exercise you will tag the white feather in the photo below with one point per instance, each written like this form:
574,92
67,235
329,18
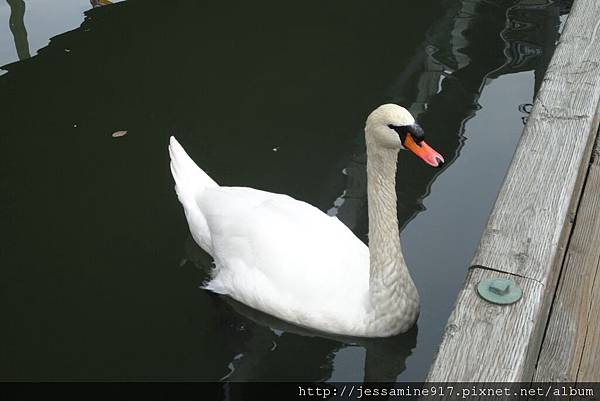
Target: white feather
289,259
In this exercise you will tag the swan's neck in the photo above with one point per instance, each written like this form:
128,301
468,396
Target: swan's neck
391,289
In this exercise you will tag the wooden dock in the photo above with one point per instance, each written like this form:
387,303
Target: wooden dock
571,347
543,233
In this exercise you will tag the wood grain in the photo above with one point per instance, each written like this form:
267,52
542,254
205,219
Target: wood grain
529,227
589,370
483,341
573,328
527,222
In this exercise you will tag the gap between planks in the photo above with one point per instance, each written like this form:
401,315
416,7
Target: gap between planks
571,346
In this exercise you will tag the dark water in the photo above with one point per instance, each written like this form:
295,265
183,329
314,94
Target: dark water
98,274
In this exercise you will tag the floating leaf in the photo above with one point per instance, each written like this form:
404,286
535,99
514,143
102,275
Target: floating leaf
118,134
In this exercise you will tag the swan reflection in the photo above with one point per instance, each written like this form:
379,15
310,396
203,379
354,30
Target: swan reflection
270,342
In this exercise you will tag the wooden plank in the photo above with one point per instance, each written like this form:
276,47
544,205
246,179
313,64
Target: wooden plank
589,370
529,226
527,221
472,344
569,325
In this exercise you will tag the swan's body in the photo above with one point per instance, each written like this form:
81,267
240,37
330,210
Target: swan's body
287,258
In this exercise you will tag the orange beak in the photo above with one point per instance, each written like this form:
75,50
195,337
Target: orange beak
423,151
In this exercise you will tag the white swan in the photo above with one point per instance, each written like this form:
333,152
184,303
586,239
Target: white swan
285,257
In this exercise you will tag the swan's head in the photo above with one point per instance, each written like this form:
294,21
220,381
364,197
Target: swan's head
393,127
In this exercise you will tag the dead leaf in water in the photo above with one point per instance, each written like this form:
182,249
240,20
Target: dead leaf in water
118,134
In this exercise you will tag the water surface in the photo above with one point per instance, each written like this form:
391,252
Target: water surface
100,277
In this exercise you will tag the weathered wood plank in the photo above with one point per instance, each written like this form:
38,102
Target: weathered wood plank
527,221
570,327
474,344
529,227
589,371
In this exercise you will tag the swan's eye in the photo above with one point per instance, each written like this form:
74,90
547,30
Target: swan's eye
414,130
401,130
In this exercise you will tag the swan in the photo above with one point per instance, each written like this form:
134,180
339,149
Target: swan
288,259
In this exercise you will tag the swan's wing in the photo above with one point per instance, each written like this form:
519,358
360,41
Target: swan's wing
272,241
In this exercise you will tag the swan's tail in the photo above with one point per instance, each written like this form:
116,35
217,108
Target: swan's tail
190,180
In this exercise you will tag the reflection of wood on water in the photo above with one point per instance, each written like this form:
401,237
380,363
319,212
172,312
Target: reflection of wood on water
16,23
444,80
17,27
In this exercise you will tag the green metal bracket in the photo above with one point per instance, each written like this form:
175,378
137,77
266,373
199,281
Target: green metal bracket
499,291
